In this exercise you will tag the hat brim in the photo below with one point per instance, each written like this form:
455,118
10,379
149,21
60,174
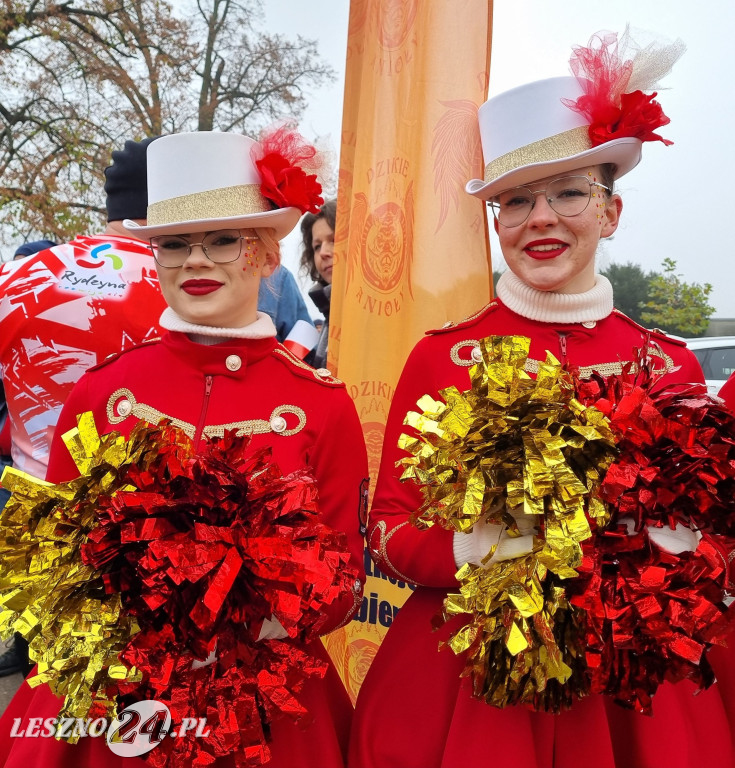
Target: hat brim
281,220
623,153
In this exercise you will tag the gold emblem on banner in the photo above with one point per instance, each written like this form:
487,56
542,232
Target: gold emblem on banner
372,398
358,660
385,252
396,19
384,247
374,432
353,653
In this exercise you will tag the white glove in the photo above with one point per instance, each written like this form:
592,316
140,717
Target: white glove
272,629
472,547
196,664
681,539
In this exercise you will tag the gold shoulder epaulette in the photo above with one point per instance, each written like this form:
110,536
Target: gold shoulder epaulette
322,375
656,332
467,322
116,355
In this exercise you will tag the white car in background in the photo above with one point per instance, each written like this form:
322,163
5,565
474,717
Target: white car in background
716,355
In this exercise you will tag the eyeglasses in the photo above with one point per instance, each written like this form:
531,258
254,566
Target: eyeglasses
221,247
568,196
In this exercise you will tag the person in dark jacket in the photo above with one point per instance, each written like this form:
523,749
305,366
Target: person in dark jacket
317,260
31,247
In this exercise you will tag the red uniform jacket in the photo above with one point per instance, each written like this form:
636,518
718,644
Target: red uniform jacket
307,418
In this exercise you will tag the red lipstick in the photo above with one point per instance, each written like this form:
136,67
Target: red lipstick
200,287
547,248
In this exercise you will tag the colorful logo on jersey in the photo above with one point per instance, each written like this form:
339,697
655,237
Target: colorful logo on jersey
96,258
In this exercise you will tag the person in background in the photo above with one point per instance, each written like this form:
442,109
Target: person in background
31,247
66,308
317,260
5,459
280,298
553,151
21,252
15,659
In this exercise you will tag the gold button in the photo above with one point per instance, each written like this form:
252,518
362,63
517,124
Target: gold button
233,363
590,324
323,372
278,424
476,354
124,408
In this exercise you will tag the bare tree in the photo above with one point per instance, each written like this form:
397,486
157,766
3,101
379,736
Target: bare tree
79,79
248,77
82,76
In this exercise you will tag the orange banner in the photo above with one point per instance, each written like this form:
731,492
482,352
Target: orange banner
411,248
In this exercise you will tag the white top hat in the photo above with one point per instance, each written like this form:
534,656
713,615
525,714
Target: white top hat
202,181
529,132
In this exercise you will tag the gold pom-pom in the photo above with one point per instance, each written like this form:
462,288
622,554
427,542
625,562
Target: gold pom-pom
514,445
75,630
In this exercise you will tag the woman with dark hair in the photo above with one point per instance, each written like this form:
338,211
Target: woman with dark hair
317,237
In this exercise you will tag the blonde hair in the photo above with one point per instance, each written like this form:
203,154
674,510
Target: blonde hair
267,236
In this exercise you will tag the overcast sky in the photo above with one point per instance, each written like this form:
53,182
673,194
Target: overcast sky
679,202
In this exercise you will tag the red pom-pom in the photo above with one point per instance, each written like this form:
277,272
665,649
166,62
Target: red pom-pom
649,615
203,549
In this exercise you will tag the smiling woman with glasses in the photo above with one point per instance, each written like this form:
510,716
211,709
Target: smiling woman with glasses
553,150
218,206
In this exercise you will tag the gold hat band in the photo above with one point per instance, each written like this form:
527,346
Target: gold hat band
557,147
242,200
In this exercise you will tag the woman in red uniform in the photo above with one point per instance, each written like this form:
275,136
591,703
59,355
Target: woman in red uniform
549,179
214,226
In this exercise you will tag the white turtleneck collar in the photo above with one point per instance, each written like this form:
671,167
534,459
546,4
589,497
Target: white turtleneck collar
262,328
552,307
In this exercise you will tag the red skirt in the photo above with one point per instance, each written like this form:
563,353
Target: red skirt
414,711
322,744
